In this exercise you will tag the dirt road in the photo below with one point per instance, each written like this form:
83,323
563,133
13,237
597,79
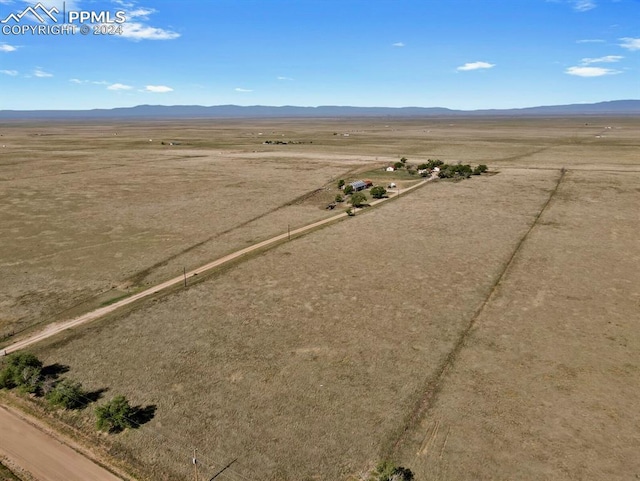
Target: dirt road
54,329
43,456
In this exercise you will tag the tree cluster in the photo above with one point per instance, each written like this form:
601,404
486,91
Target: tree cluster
451,171
25,372
430,164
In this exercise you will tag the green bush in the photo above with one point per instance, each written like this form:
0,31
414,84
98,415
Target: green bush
67,394
388,471
348,189
115,416
340,183
378,192
339,198
480,169
22,370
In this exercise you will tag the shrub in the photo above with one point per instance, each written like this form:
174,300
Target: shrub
378,192
348,189
67,394
23,370
339,198
480,169
388,471
340,183
115,416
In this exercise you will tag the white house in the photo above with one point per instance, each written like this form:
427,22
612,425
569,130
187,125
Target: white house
390,169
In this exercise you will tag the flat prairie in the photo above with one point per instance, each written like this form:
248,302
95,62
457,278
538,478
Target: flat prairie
482,329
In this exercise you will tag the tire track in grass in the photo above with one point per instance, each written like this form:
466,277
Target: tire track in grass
434,384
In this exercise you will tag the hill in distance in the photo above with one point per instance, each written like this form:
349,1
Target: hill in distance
614,107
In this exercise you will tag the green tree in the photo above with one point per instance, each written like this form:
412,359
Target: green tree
348,189
388,471
115,416
378,192
398,165
67,394
23,370
358,199
339,198
403,160
480,169
431,163
340,183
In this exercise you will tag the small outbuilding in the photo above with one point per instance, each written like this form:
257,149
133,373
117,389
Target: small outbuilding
390,169
358,185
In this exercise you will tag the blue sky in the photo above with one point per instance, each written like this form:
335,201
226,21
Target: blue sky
461,54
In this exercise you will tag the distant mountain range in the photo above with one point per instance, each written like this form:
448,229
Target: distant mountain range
614,107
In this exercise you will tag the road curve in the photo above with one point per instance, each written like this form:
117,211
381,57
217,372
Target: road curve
58,327
43,456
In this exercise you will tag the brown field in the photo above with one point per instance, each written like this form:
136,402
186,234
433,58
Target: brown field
484,329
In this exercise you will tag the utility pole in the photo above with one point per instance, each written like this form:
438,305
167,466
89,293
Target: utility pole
195,464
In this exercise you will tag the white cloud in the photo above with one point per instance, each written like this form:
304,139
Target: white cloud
238,89
11,73
124,4
590,71
284,78
606,59
590,40
630,43
94,82
139,12
119,87
158,89
5,47
397,44
38,72
135,28
584,5
475,66
139,31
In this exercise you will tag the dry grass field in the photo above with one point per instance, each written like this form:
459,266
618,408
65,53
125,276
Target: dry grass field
546,386
484,329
